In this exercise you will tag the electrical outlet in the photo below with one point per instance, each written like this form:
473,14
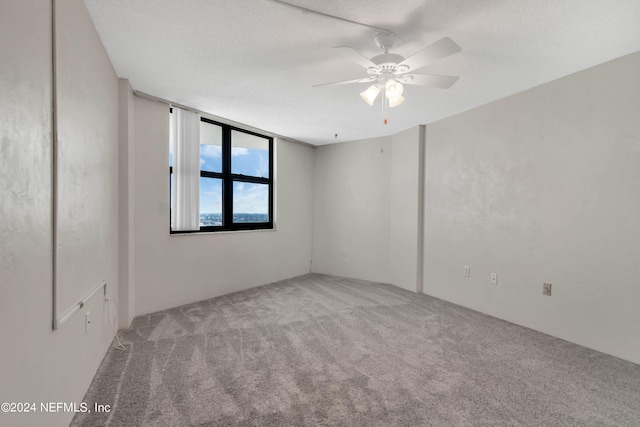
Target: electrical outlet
87,322
494,278
467,271
546,289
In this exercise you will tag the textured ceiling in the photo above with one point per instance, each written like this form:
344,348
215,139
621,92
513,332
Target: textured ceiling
255,61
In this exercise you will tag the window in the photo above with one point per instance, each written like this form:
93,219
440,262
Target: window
236,179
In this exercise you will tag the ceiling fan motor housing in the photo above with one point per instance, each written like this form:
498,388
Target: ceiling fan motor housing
387,67
387,60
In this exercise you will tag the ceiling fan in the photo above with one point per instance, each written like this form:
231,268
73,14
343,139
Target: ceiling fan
388,71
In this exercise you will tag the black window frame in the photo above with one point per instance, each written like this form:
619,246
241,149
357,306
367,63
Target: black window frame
228,180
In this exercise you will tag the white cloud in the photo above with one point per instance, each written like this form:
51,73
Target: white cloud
250,198
263,167
239,151
210,151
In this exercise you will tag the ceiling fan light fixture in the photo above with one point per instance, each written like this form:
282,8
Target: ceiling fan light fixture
370,94
393,89
394,102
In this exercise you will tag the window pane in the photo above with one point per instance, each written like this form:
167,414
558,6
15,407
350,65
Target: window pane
210,201
210,147
250,202
249,154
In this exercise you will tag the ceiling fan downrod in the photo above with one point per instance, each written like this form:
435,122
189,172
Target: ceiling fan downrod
385,41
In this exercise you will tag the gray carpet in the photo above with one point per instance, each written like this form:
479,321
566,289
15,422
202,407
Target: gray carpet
323,350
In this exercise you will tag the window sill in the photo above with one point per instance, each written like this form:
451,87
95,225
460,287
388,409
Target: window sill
200,233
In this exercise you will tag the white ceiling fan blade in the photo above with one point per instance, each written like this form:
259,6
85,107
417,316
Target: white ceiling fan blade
355,56
440,49
344,82
443,82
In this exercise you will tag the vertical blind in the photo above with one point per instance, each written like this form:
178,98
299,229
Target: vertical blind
185,183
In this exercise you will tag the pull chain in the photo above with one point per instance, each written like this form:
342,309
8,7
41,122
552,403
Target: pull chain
384,107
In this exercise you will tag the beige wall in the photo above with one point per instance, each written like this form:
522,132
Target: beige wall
351,216
406,199
367,206
126,199
177,269
37,363
87,211
541,187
